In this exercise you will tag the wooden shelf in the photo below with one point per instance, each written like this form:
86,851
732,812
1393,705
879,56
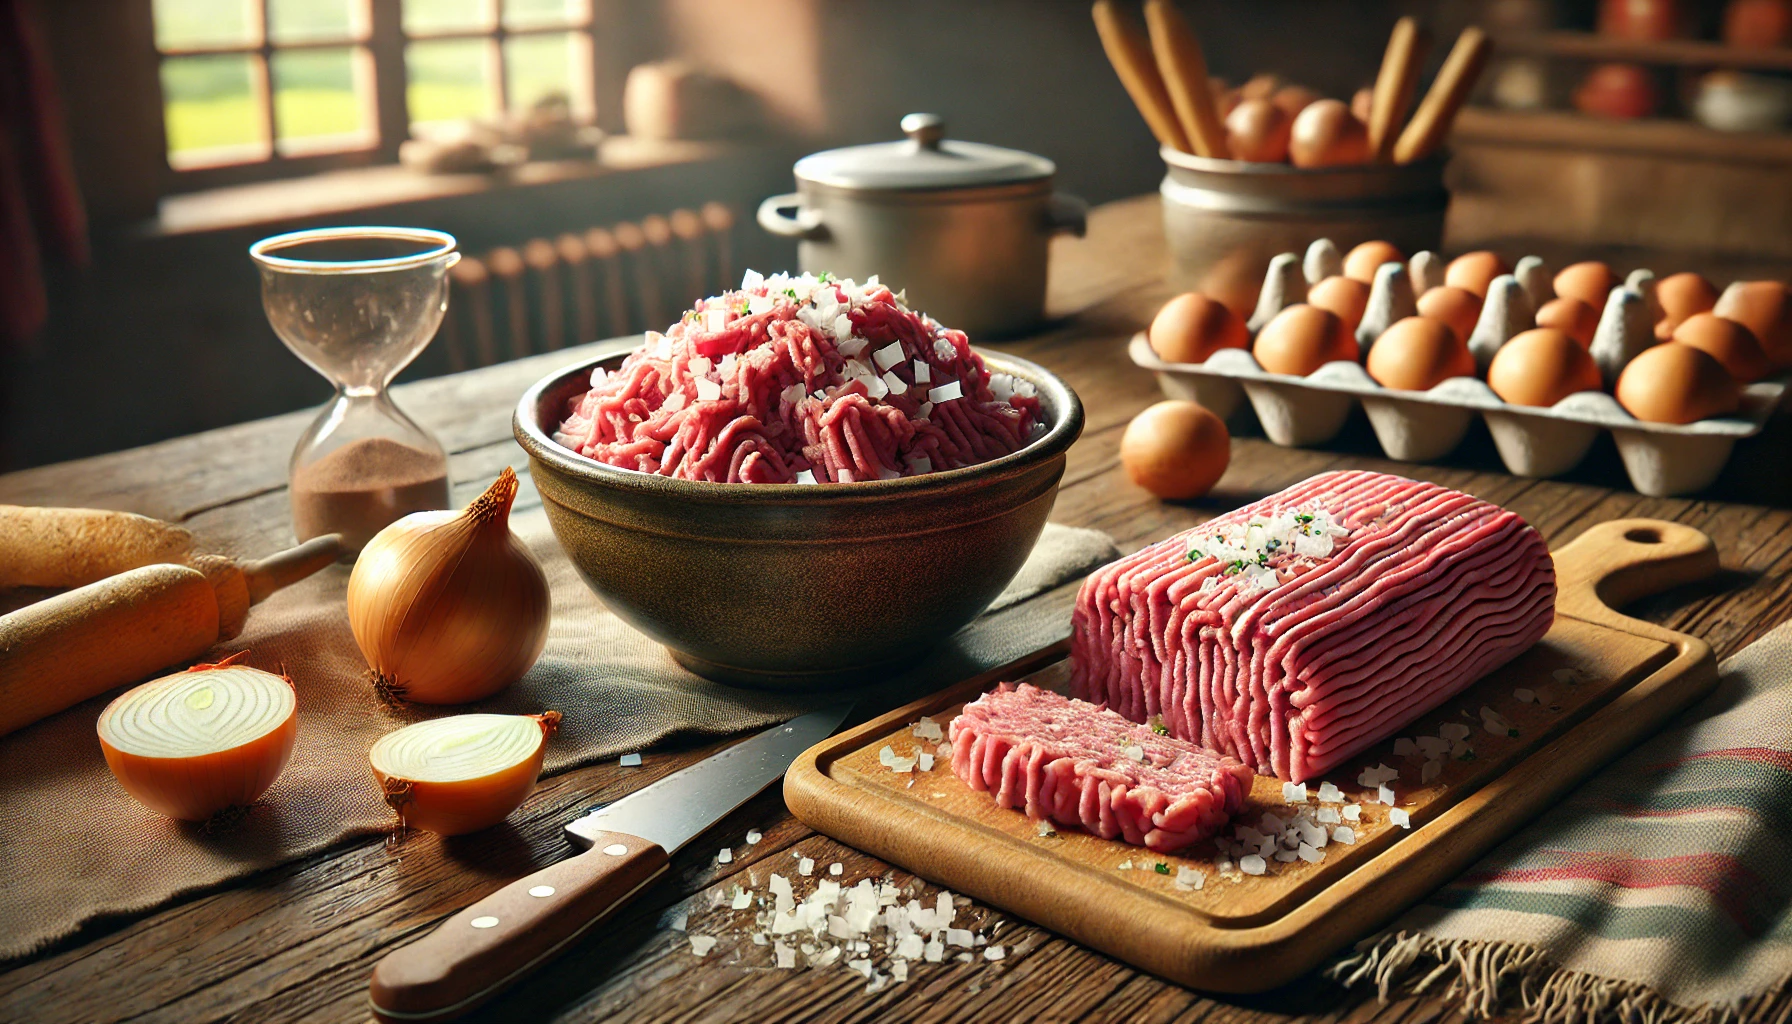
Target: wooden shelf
1680,52
1686,140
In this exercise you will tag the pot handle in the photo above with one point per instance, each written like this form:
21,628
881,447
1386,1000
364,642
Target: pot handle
805,225
1066,213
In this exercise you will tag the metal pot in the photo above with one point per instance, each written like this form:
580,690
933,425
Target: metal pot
965,228
1226,219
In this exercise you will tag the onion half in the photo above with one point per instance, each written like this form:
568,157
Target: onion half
463,773
191,744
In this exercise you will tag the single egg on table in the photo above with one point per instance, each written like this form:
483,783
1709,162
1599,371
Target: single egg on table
1590,282
1457,307
1540,367
1417,354
1176,449
1570,316
1475,271
1728,342
1301,339
1344,296
1327,134
1192,327
1676,383
1257,132
1764,307
1361,263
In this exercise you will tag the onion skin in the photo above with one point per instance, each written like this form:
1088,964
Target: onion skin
195,788
450,607
456,808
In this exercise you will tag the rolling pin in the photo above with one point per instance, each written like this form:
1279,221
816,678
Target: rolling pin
1130,53
72,547
81,643
1184,70
1394,87
1437,111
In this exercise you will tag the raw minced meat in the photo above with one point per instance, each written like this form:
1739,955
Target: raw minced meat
799,380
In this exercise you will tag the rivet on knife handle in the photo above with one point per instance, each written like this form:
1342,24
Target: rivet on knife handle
480,951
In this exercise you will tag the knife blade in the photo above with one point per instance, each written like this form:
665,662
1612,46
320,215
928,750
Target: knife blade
627,845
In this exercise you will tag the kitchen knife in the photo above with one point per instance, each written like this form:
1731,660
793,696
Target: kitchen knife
627,845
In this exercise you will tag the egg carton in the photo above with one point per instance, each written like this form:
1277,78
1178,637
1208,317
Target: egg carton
1662,459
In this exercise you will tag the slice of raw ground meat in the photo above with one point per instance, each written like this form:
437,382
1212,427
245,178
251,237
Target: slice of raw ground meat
1083,766
1295,632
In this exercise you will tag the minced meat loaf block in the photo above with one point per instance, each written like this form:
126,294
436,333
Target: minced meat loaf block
1084,766
1295,632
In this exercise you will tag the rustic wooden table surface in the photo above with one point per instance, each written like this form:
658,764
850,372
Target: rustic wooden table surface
298,942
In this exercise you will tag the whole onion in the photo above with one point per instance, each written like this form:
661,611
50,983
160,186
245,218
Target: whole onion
450,607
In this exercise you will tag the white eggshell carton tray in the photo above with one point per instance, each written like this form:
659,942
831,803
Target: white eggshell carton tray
1422,426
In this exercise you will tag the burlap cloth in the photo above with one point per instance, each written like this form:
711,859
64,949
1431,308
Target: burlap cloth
74,847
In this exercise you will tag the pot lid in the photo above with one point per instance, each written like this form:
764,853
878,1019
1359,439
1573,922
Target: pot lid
926,160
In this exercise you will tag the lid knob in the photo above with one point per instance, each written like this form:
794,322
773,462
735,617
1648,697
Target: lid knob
925,129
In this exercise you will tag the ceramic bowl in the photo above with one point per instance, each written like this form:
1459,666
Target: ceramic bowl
797,586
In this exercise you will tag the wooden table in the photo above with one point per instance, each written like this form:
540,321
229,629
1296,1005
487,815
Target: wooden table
297,942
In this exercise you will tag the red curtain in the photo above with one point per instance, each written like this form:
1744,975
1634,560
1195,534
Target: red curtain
41,215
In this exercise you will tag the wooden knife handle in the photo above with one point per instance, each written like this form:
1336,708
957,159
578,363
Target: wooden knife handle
1394,87
480,951
1130,53
1437,111
1184,70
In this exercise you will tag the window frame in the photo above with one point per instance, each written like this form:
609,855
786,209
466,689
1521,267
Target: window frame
378,41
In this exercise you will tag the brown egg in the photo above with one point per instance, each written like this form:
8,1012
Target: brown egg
1344,296
1475,271
1764,307
1541,367
1294,98
1260,87
1457,307
1301,339
1327,134
1589,282
1418,354
1676,383
1176,449
1728,342
1682,295
1363,261
1570,316
1192,327
1257,131
1362,102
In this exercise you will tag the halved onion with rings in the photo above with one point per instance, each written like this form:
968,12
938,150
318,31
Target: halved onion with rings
462,773
193,743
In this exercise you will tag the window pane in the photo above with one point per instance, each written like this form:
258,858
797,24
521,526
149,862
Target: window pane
522,13
210,103
538,66
441,15
183,23
299,20
447,80
314,94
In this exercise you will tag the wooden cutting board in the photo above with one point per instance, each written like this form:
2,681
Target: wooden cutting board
1602,682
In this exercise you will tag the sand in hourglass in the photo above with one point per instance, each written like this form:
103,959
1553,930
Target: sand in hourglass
362,486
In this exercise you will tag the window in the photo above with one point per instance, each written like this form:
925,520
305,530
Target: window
267,87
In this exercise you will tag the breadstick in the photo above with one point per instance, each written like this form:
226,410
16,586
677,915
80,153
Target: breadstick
1394,87
1184,71
1437,112
1130,53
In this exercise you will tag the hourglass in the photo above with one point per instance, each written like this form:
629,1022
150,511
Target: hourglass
357,305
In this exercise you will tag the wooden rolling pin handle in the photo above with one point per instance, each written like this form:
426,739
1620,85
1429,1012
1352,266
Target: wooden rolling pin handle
1184,69
278,571
1394,86
1437,112
1130,53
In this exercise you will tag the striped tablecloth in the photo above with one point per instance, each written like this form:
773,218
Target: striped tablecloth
1659,892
